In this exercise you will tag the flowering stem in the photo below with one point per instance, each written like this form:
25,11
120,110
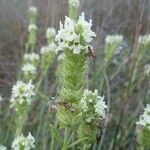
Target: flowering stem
107,118
74,39
20,120
52,143
52,138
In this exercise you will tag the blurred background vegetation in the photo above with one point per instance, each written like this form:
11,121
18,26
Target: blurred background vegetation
109,17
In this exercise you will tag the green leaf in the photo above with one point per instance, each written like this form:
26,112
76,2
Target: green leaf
55,133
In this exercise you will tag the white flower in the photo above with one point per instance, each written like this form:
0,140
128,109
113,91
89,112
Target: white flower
1,98
77,48
144,120
49,48
114,39
83,104
61,56
31,57
93,105
44,50
52,46
68,32
147,69
33,9
62,45
75,36
2,147
29,69
32,27
144,40
100,107
22,93
25,143
50,32
85,28
74,3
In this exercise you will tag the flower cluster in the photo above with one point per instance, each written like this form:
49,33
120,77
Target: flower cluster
29,69
44,50
93,105
47,49
1,98
31,57
144,120
32,27
75,36
2,147
22,93
147,69
113,39
74,3
93,111
33,9
24,143
144,40
50,33
112,43
100,107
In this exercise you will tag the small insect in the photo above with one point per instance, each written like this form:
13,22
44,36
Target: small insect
67,106
91,52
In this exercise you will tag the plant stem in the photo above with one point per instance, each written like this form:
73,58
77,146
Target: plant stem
20,121
53,139
65,142
85,147
52,143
